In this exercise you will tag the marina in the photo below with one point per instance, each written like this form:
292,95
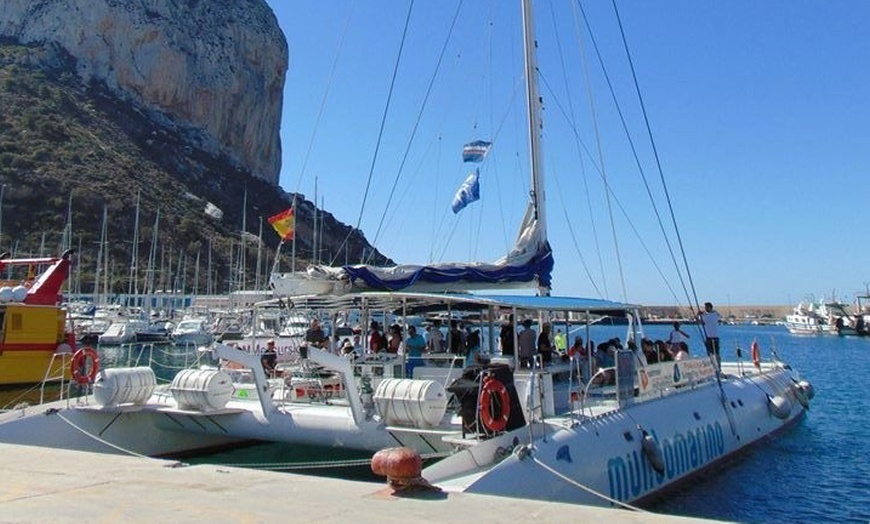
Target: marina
472,380
764,484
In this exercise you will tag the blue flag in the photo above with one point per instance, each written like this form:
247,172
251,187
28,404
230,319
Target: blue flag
468,192
475,151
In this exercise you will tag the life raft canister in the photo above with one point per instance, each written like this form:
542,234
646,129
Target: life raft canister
81,373
495,407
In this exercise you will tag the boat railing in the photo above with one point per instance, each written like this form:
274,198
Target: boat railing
627,384
165,360
56,374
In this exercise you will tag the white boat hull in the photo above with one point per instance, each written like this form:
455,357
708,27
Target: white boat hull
692,430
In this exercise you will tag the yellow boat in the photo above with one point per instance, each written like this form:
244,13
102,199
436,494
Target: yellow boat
33,323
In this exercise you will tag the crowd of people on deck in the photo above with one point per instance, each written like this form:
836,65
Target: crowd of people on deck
528,347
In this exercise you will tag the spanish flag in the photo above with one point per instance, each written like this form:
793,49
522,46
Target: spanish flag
284,223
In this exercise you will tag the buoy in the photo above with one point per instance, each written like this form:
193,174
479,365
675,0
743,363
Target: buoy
403,468
495,405
779,406
81,374
652,453
756,354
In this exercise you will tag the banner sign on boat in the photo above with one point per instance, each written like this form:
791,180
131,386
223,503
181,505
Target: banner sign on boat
656,377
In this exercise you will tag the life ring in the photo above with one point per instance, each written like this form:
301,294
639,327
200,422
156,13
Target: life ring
80,374
756,354
494,397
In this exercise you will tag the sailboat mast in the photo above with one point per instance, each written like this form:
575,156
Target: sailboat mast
242,284
533,100
314,248
98,298
259,255
133,286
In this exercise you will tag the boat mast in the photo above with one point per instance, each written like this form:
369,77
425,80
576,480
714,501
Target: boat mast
242,284
98,298
533,101
133,285
152,262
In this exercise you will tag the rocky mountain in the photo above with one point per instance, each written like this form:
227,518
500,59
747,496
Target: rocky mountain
210,71
74,144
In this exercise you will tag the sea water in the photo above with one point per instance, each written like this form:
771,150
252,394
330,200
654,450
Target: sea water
818,471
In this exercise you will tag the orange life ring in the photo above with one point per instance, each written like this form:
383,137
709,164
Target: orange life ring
756,354
492,388
80,374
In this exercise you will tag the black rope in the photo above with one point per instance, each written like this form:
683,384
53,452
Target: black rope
380,130
658,164
417,122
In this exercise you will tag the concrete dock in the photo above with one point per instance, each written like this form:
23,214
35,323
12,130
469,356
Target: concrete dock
50,485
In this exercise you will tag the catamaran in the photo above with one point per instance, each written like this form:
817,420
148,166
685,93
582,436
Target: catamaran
508,424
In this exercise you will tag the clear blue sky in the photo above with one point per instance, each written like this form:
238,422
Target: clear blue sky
759,111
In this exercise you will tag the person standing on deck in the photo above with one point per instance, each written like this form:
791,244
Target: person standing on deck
560,341
435,339
527,342
545,346
414,347
709,320
506,337
377,340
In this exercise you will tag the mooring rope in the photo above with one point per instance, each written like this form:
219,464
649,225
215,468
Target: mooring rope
95,437
587,488
323,464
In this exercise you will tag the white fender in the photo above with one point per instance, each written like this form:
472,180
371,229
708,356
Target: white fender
800,396
807,388
779,406
653,453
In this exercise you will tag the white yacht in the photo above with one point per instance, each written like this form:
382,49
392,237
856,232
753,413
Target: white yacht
192,331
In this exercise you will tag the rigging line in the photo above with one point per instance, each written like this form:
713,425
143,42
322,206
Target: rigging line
588,83
445,216
449,237
655,154
322,106
419,116
633,148
435,229
596,128
573,235
612,193
583,171
408,188
380,132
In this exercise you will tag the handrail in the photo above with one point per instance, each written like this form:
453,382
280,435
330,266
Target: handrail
47,378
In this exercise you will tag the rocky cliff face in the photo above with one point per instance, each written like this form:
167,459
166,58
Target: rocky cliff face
212,70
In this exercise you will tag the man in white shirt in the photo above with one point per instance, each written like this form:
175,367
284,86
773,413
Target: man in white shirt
709,320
